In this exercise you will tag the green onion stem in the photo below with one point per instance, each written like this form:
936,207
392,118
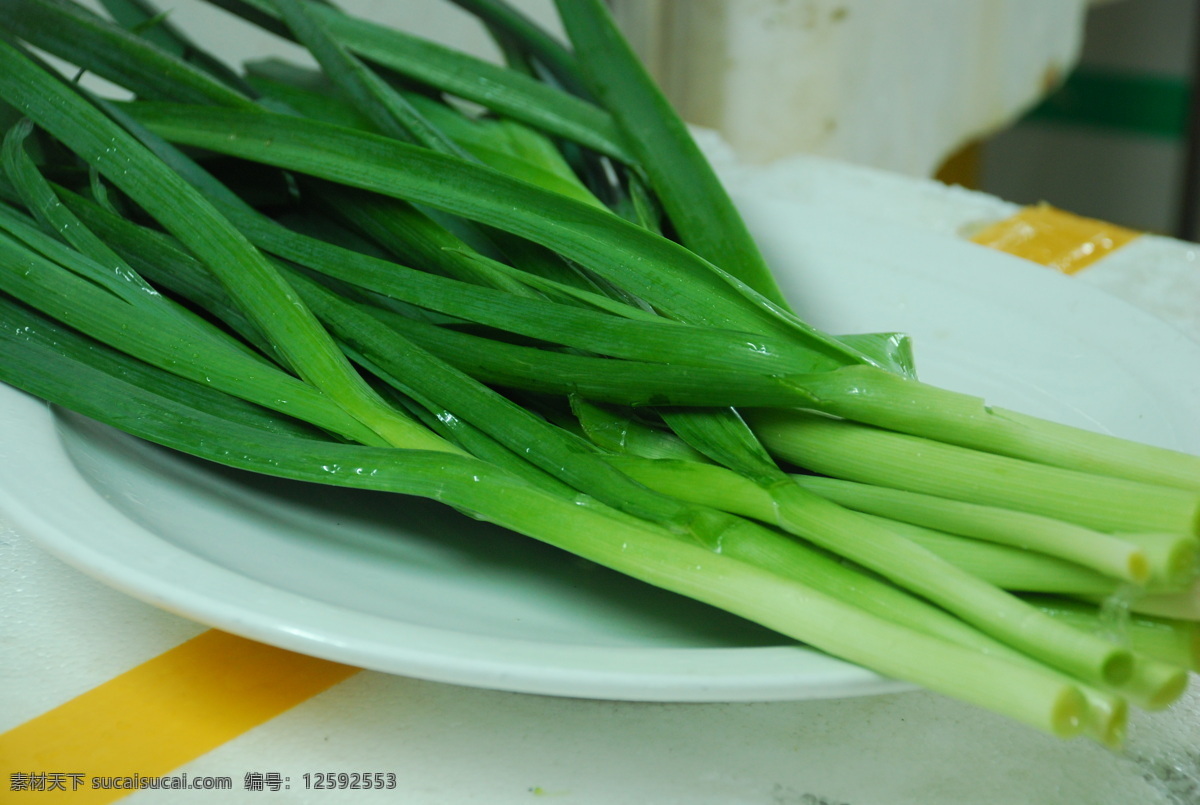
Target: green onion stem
762,547
907,564
865,394
1172,557
871,455
1170,640
582,527
1154,684
1103,553
1180,604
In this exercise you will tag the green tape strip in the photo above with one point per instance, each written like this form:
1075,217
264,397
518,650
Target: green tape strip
1153,105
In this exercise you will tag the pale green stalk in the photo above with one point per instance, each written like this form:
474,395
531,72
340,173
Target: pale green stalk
907,564
871,455
878,398
1170,640
1103,553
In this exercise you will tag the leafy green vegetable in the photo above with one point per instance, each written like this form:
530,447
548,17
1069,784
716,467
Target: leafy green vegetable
542,308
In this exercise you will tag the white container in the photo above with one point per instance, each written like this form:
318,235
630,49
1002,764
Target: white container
896,84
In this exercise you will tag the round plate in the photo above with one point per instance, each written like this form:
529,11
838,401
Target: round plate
410,587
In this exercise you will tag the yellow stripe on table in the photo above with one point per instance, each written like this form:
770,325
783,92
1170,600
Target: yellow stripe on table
158,716
1053,238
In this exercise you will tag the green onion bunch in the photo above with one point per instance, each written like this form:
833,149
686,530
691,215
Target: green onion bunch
520,289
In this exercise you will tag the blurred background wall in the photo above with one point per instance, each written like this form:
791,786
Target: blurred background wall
895,84
1114,141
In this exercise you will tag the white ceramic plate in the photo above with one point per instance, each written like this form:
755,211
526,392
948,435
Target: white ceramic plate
409,587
